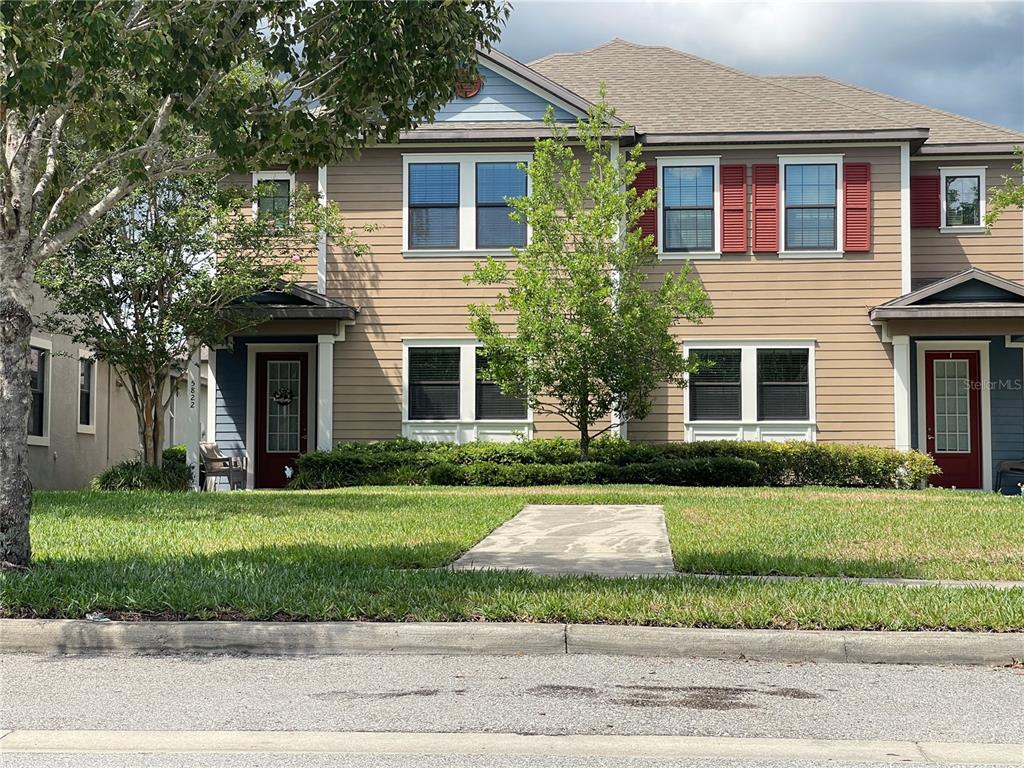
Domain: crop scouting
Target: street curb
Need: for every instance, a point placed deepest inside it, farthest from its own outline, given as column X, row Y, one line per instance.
column 977, row 648
column 79, row 637
column 72, row 636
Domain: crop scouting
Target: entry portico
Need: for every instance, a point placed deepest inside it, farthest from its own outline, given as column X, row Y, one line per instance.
column 958, row 349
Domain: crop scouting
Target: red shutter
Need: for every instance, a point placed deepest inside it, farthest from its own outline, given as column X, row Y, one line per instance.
column 645, row 180
column 925, row 205
column 765, row 203
column 857, row 207
column 734, row 208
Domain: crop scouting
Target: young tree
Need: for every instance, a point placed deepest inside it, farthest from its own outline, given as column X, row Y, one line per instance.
column 100, row 99
column 591, row 333
column 167, row 272
column 1010, row 195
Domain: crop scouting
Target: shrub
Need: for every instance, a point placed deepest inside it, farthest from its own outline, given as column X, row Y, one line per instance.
column 135, row 475
column 556, row 461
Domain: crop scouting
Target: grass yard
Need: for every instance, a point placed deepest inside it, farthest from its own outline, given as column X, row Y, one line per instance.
column 372, row 553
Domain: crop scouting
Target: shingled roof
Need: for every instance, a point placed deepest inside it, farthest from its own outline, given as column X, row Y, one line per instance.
column 944, row 127
column 688, row 96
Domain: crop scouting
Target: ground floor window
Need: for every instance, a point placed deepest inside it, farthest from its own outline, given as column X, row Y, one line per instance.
column 752, row 382
column 446, row 381
column 39, row 360
column 86, row 385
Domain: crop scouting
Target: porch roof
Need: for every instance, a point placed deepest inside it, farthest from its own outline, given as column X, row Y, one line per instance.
column 973, row 293
column 296, row 302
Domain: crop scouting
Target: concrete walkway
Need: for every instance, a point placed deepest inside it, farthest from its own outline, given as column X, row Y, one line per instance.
column 602, row 539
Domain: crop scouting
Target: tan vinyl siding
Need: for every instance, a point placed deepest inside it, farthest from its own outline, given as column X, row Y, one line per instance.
column 936, row 255
column 397, row 298
column 825, row 300
column 755, row 297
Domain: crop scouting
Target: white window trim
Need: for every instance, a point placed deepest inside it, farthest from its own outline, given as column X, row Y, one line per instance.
column 747, row 427
column 47, row 345
column 467, row 202
column 466, row 427
column 836, row 160
column 956, row 345
column 952, row 170
column 259, row 176
column 90, row 428
column 689, row 162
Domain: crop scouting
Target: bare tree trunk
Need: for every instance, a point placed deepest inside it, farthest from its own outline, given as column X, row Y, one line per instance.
column 151, row 426
column 15, row 401
column 584, row 432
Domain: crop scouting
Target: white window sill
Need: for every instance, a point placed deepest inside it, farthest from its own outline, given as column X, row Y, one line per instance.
column 696, row 256
column 87, row 429
column 37, row 440
column 480, row 253
column 980, row 230
column 451, row 422
column 798, row 423
column 811, row 254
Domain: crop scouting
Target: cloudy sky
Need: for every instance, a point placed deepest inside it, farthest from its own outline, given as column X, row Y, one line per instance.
column 964, row 57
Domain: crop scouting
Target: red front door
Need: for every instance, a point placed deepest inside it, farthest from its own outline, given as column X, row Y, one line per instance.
column 282, row 415
column 953, row 417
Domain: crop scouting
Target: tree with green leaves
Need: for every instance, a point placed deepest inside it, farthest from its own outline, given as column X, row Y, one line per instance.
column 169, row 271
column 101, row 99
column 590, row 334
column 1010, row 195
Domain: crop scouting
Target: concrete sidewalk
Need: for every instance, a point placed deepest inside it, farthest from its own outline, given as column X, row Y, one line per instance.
column 557, row 539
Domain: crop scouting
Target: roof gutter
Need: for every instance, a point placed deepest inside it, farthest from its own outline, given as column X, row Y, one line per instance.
column 995, row 148
column 916, row 137
column 947, row 311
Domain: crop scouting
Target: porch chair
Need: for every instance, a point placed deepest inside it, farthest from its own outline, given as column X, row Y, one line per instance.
column 1012, row 467
column 216, row 463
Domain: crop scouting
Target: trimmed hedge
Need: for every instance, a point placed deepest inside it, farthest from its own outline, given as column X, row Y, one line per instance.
column 557, row 462
column 175, row 474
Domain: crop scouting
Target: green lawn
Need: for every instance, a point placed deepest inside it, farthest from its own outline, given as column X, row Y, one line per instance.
column 372, row 553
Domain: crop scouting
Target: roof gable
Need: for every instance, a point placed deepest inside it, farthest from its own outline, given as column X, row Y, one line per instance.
column 500, row 99
column 969, row 286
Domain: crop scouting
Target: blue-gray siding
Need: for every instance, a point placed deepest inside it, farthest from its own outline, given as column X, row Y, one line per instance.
column 1006, row 375
column 499, row 99
column 231, row 394
column 972, row 290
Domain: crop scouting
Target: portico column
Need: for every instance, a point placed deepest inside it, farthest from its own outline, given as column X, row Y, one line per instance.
column 901, row 390
column 324, row 392
column 193, row 422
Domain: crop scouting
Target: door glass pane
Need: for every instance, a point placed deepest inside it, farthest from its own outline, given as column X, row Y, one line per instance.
column 283, row 406
column 952, row 406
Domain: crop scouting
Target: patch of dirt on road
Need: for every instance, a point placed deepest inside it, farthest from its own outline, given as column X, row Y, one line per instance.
column 706, row 697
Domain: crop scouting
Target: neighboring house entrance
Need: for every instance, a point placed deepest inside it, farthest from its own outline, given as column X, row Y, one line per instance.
column 282, row 415
column 953, row 416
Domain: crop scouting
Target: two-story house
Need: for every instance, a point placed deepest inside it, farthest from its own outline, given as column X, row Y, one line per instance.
column 839, row 232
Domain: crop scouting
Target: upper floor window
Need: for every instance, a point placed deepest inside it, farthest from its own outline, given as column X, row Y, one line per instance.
column 496, row 183
column 273, row 194
column 688, row 206
column 38, row 362
column 963, row 197
column 811, row 207
column 456, row 204
column 434, row 205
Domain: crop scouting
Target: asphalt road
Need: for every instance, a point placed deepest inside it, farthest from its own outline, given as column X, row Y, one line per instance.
column 604, row 696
